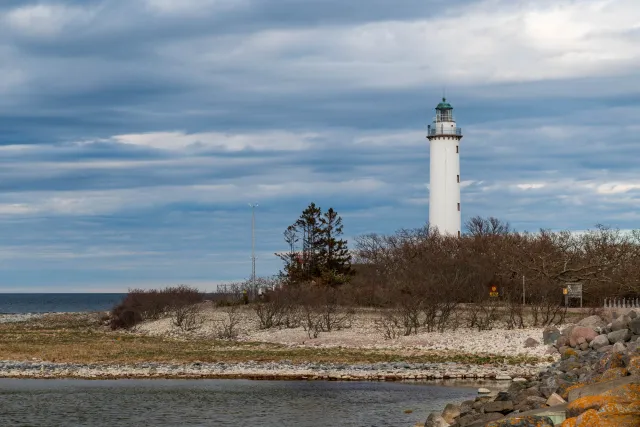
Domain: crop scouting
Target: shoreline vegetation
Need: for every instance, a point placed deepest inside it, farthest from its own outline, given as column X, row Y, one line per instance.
column 82, row 345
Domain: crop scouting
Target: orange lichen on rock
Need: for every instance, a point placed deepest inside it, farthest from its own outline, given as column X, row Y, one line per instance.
column 634, row 365
column 588, row 418
column 565, row 393
column 612, row 374
column 630, row 392
column 615, row 408
column 586, row 403
column 592, row 418
column 569, row 422
column 568, row 353
column 609, row 361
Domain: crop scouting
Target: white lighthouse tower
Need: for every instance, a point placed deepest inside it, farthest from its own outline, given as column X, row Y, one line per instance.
column 444, row 186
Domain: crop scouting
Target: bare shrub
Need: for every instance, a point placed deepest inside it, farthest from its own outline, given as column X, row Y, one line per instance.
column 140, row 305
column 389, row 325
column 187, row 318
column 484, row 315
column 321, row 312
column 228, row 326
column 278, row 309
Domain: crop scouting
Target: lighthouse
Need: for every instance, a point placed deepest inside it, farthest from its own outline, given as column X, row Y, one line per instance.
column 444, row 180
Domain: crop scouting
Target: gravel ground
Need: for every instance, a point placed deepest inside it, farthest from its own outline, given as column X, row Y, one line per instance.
column 364, row 334
column 15, row 318
column 270, row 370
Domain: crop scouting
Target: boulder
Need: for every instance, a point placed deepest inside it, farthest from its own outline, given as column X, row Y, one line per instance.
column 549, row 386
column 562, row 341
column 493, row 416
column 480, row 401
column 566, row 332
column 592, row 322
column 632, row 314
column 605, row 348
column 535, row 402
column 550, row 335
column 466, row 407
column 585, row 403
column 621, row 322
column 584, row 346
column 435, row 420
column 633, row 365
column 525, row 421
column 474, row 420
column 567, row 353
column 450, row 412
column 595, row 418
column 634, row 325
column 503, row 407
column 583, row 332
column 619, row 347
column 555, row 399
column 621, row 335
column 602, row 387
column 484, row 391
column 599, row 341
column 530, row 343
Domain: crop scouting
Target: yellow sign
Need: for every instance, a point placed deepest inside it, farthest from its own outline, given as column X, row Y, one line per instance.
column 565, row 291
column 493, row 291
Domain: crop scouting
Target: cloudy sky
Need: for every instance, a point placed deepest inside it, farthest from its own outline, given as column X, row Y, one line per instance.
column 133, row 133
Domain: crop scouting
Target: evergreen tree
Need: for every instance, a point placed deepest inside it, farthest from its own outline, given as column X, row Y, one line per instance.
column 335, row 255
column 323, row 255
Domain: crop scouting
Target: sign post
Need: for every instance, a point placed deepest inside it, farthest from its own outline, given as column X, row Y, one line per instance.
column 494, row 292
column 574, row 290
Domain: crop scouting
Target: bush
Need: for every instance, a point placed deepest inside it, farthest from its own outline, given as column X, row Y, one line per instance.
column 187, row 317
column 140, row 305
column 279, row 309
column 228, row 327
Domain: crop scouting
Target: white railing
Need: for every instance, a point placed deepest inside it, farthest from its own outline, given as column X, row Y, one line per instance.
column 622, row 303
column 441, row 130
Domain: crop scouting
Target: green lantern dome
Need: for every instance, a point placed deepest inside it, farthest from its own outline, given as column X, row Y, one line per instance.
column 444, row 105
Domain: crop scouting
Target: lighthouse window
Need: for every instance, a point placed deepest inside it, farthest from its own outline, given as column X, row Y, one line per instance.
column 458, row 179
column 458, row 207
column 457, row 149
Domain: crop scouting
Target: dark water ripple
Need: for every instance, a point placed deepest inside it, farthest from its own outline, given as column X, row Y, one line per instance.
column 232, row 403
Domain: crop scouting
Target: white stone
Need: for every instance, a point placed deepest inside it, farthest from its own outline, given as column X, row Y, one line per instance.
column 484, row 391
column 502, row 377
column 555, row 399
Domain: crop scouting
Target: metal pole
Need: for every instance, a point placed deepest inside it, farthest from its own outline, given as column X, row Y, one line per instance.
column 253, row 245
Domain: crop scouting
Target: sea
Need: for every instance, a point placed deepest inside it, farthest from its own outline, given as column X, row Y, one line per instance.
column 221, row 403
column 57, row 303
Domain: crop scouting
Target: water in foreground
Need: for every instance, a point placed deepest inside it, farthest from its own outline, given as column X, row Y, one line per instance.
column 220, row 403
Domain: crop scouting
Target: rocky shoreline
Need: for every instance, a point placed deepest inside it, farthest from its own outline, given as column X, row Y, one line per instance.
column 272, row 370
column 595, row 383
